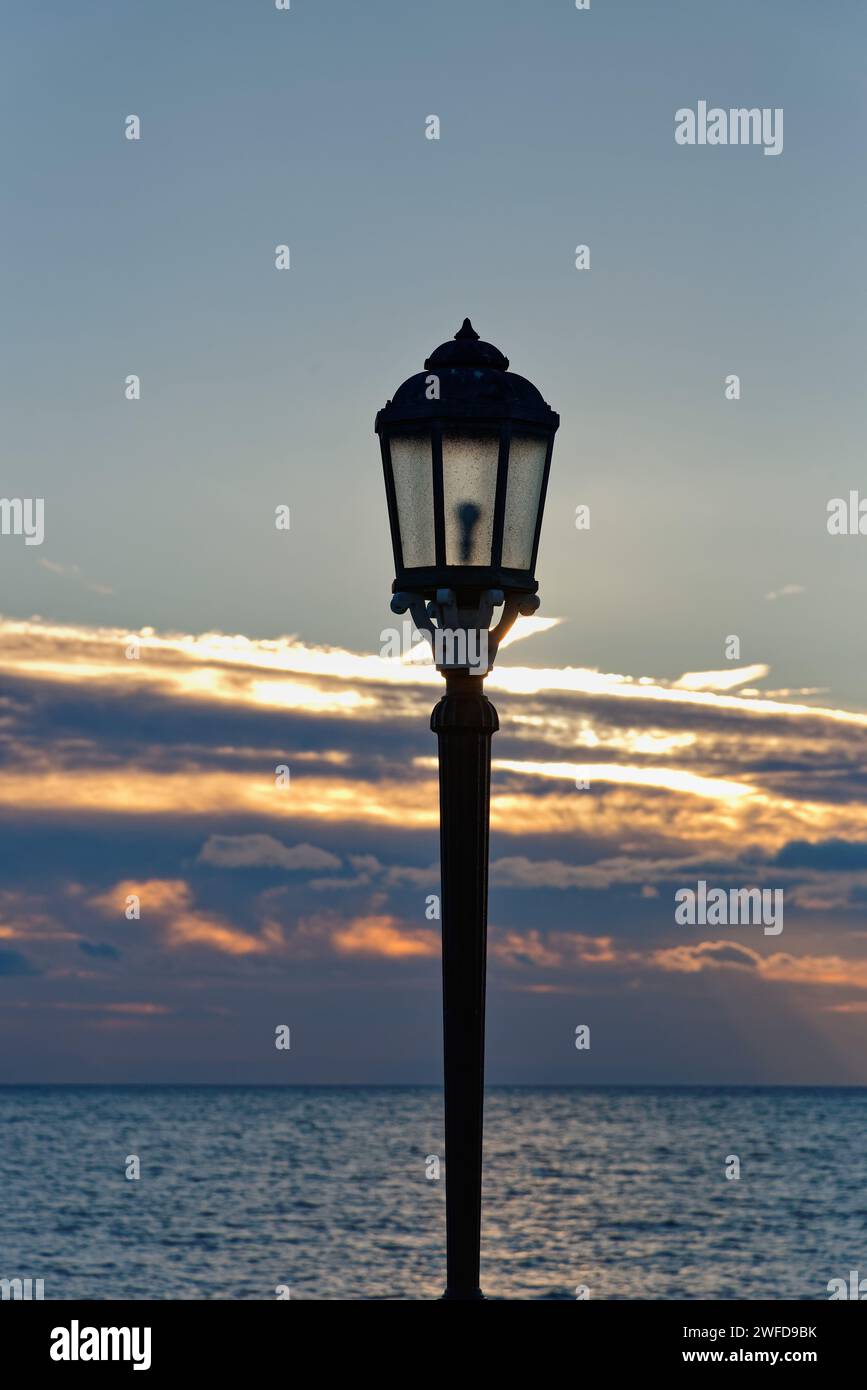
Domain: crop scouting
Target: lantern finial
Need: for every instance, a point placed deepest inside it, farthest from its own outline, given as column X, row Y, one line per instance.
column 466, row 333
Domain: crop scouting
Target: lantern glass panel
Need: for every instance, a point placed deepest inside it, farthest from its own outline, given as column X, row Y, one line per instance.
column 469, row 490
column 413, row 489
column 524, row 489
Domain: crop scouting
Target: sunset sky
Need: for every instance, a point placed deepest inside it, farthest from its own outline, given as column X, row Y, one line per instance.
column 305, row 904
column 154, row 775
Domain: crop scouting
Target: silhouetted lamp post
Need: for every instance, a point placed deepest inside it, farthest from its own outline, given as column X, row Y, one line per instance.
column 466, row 450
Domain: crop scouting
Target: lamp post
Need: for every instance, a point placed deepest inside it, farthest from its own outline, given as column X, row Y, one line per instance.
column 466, row 451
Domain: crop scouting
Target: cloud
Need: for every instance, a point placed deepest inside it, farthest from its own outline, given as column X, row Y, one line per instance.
column 157, row 897
column 284, row 673
column 846, row 855
column 74, row 573
column 99, row 951
column 135, row 1009
column 816, row 971
column 721, row 680
column 669, row 779
column 551, row 950
column 14, row 963
column 263, row 851
column 386, row 938
column 822, row 972
column 704, row 955
column 169, row 902
column 198, row 929
column 369, row 870
column 766, row 771
column 787, row 591
column 175, row 751
column 520, row 872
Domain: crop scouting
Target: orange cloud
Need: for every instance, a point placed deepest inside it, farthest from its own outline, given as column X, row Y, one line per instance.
column 384, row 937
column 170, row 902
column 821, row 971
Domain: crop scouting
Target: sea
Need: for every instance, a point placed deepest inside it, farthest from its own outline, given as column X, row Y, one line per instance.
column 265, row 1192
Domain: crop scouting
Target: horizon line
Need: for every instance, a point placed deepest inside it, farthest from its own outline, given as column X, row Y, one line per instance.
column 435, row 1086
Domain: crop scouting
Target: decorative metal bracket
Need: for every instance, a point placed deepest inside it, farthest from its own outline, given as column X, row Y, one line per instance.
column 463, row 639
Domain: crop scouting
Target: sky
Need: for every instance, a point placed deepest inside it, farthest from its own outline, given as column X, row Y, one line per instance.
column 154, row 775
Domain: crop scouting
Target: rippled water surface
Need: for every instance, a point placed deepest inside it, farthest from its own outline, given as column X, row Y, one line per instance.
column 324, row 1190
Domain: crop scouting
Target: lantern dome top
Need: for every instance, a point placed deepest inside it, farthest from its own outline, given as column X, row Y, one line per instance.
column 466, row 349
column 472, row 377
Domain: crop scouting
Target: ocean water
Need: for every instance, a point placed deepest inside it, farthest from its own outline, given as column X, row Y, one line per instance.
column 323, row 1190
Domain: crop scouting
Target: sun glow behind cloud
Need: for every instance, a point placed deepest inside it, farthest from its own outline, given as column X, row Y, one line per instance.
column 219, row 666
column 580, row 711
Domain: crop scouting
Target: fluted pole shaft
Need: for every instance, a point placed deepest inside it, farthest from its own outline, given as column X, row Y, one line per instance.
column 464, row 721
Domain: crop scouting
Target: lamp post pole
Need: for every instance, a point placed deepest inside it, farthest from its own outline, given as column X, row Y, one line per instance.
column 464, row 721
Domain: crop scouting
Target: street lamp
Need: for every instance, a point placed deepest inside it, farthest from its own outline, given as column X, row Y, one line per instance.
column 466, row 450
